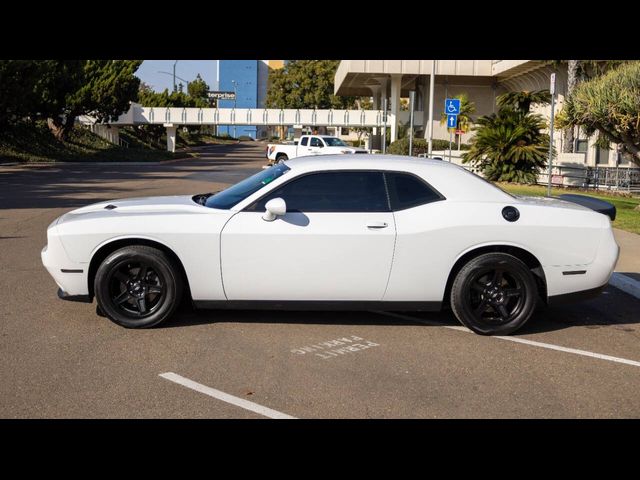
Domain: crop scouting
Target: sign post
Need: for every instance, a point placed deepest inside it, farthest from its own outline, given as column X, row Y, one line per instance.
column 412, row 97
column 384, row 129
column 552, row 90
column 451, row 110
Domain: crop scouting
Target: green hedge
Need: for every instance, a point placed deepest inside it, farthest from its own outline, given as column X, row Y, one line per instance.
column 420, row 145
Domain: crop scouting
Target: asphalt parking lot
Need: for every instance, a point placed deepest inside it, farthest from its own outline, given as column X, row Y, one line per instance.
column 61, row 360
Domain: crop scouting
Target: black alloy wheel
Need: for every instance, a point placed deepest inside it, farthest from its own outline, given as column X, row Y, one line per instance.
column 494, row 294
column 138, row 286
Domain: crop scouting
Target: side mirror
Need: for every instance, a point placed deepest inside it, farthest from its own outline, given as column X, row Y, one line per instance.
column 276, row 207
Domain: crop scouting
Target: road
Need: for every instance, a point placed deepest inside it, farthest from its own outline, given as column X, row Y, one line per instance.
column 61, row 360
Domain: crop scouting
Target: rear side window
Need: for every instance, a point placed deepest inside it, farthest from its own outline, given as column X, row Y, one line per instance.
column 331, row 192
column 406, row 191
column 304, row 141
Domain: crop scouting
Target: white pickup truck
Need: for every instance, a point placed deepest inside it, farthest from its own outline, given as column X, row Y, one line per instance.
column 309, row 145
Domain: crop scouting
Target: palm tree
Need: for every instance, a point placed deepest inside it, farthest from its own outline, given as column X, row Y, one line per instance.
column 509, row 146
column 523, row 100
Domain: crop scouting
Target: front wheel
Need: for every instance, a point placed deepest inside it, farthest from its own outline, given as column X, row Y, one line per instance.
column 494, row 294
column 138, row 286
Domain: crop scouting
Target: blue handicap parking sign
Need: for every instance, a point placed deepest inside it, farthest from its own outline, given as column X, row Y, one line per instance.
column 452, row 121
column 452, row 106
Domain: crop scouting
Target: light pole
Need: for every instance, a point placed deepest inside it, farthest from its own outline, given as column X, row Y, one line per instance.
column 174, row 75
column 235, row 98
column 552, row 90
column 432, row 82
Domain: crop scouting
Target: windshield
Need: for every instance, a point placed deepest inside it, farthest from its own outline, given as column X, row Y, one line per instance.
column 334, row 142
column 231, row 196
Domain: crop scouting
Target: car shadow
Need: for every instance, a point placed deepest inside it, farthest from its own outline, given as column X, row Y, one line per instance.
column 612, row 308
column 187, row 316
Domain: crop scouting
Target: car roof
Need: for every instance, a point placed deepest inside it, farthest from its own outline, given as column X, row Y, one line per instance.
column 452, row 181
column 364, row 161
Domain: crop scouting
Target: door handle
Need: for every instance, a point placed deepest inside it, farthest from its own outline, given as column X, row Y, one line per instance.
column 377, row 225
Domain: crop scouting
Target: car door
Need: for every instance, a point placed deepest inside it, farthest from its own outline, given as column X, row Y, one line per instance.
column 315, row 146
column 335, row 243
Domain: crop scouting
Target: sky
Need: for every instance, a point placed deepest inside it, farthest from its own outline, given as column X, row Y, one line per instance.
column 187, row 69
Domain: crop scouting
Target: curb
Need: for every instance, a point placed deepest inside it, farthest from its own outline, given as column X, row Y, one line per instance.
column 80, row 163
column 626, row 284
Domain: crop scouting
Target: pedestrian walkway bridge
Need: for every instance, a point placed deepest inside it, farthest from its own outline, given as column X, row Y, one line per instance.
column 173, row 117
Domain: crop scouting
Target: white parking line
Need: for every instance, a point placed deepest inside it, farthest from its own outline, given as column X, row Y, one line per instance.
column 533, row 343
column 225, row 397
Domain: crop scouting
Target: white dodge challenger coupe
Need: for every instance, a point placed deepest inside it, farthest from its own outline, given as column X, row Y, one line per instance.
column 335, row 232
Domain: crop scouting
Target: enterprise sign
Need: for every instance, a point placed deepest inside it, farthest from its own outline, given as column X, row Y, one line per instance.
column 222, row 95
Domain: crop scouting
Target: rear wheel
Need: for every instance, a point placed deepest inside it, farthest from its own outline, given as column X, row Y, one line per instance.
column 138, row 286
column 494, row 294
column 281, row 157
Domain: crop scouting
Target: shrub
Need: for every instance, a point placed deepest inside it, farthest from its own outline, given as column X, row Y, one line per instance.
column 421, row 146
column 509, row 146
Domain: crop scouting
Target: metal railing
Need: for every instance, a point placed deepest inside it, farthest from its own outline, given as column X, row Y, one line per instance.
column 626, row 179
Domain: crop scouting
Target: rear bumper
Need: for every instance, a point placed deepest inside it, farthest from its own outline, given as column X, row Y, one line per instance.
column 575, row 296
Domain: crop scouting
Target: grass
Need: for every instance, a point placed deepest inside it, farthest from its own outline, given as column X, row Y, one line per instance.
column 35, row 144
column 626, row 217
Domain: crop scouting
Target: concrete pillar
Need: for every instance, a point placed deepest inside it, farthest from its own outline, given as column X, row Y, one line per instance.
column 114, row 135
column 396, row 84
column 171, row 136
column 109, row 132
column 377, row 104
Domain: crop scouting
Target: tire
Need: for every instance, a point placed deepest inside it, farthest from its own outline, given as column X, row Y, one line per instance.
column 494, row 294
column 138, row 286
column 281, row 157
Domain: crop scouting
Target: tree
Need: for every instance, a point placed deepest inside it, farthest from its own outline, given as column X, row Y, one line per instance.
column 509, row 146
column 197, row 91
column 579, row 71
column 522, row 100
column 572, row 79
column 305, row 84
column 33, row 89
column 104, row 90
column 610, row 104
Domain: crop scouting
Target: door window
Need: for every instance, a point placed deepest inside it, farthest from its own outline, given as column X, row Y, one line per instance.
column 316, row 142
column 331, row 192
column 304, row 141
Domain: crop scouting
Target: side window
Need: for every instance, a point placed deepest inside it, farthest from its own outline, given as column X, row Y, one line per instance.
column 304, row 141
column 316, row 142
column 331, row 192
column 406, row 191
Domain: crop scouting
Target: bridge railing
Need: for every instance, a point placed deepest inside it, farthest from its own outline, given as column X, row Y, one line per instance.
column 252, row 116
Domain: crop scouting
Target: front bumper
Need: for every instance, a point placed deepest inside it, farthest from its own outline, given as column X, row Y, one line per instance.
column 71, row 277
column 73, row 298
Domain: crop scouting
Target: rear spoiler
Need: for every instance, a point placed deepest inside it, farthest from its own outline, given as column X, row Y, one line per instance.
column 595, row 204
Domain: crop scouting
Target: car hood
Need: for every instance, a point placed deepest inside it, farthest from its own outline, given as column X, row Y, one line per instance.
column 140, row 205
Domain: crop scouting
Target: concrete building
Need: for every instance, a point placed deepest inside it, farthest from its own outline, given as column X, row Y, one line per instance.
column 481, row 80
column 249, row 79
